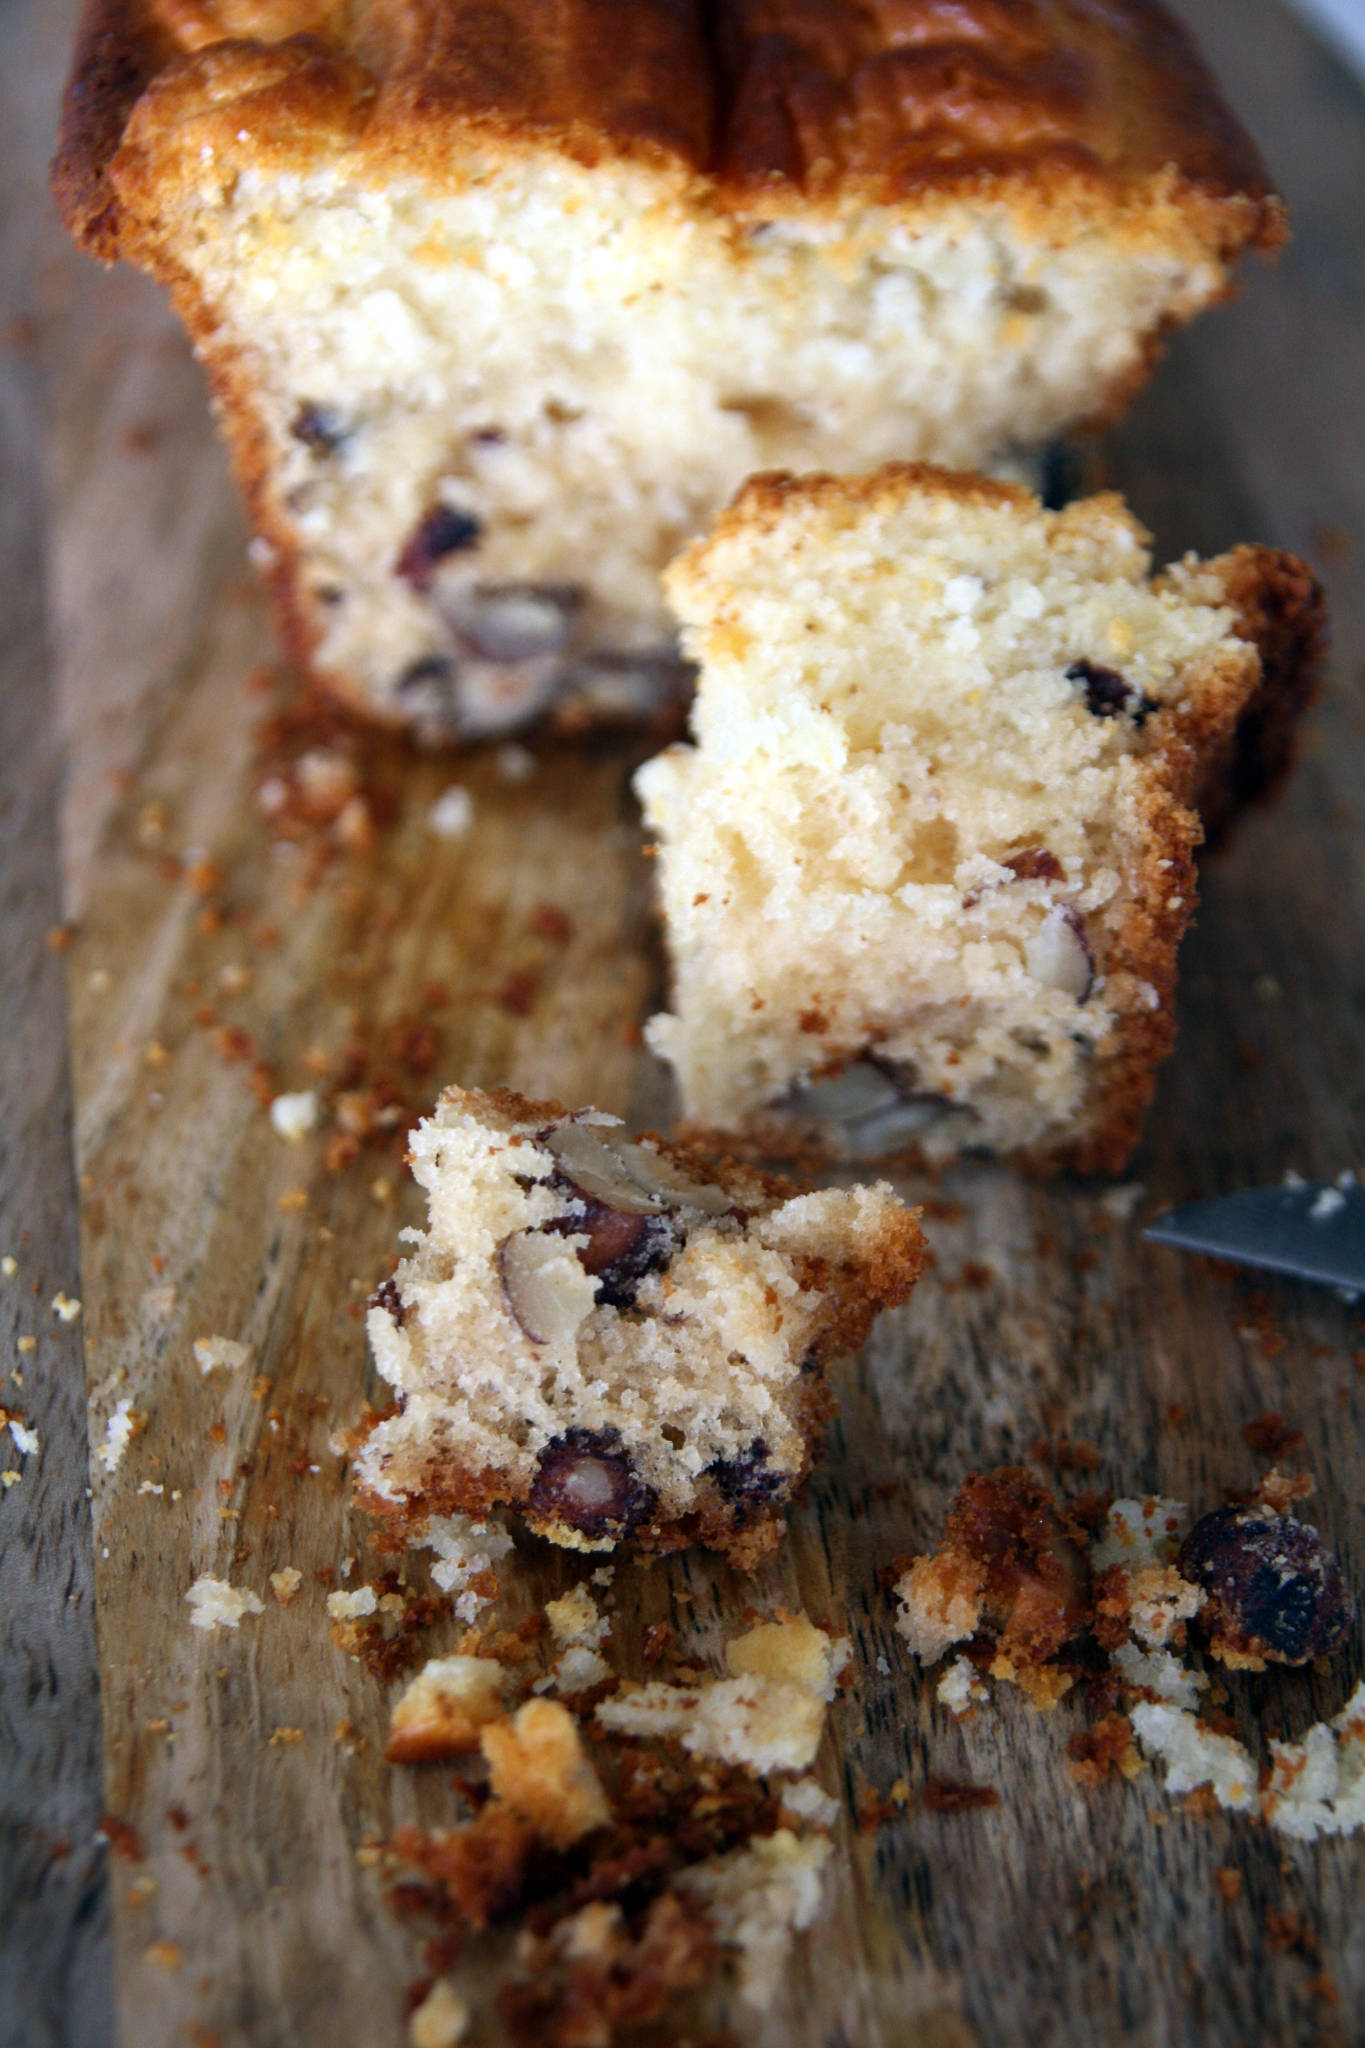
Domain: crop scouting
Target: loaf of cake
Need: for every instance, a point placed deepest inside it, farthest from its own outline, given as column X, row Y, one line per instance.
column 501, row 302
column 926, row 865
column 615, row 1337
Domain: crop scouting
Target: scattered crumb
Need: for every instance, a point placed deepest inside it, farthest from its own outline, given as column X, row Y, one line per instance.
column 956, row 1795
column 285, row 1584
column 758, row 1897
column 809, row 1801
column 158, row 1303
column 123, row 1425
column 9, row 1266
column 444, row 1709
column 292, row 1200
column 1195, row 1756
column 961, row 1689
column 1120, row 1202
column 465, row 1555
column 352, row 1606
column 150, row 1486
column 165, row 1954
column 25, row 1439
column 1270, row 1436
column 452, row 814
column 216, row 1604
column 285, row 1738
column 27, row 1344
column 294, row 1116
column 769, row 1717
column 220, row 1354
column 66, row 1307
column 539, row 1769
column 575, row 1619
column 440, row 2020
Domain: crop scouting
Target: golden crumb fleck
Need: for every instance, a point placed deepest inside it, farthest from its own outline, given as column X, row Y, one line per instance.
column 165, row 1954
column 285, row 1738
column 285, row 1584
column 292, row 1200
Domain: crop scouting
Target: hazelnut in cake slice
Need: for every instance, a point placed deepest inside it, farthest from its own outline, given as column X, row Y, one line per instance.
column 615, row 1336
column 501, row 299
column 926, row 864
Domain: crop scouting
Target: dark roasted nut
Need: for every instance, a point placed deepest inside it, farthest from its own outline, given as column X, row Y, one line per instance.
column 621, row 1247
column 586, row 1480
column 748, row 1482
column 387, row 1297
column 1274, row 1590
column 440, row 532
column 321, row 428
column 1109, row 694
column 1035, row 864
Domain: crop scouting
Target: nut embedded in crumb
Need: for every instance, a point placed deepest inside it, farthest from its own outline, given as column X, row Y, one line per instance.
column 445, row 1709
column 539, row 1768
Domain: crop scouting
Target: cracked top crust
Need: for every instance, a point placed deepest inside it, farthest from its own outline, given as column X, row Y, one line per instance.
column 752, row 107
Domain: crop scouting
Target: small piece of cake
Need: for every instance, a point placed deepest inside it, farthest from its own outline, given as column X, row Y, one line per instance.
column 926, row 865
column 445, row 1709
column 1011, row 1568
column 616, row 1337
column 538, row 1767
column 501, row 300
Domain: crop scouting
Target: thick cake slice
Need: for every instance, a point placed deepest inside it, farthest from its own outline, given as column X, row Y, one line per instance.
column 926, row 866
column 616, row 1337
column 501, row 302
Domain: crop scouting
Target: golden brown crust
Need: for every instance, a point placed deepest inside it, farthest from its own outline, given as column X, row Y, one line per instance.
column 765, row 104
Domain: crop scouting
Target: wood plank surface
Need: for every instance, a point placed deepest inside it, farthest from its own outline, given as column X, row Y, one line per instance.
column 215, row 957
column 55, row 1960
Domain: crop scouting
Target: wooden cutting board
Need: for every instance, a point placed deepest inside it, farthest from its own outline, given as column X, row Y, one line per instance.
column 220, row 952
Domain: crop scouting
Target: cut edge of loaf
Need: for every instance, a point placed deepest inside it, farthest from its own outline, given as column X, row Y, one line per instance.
column 1230, row 742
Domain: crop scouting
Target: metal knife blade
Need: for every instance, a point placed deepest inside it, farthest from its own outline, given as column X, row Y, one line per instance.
column 1316, row 1233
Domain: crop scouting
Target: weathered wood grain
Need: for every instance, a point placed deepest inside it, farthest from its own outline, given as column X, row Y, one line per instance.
column 1062, row 1915
column 54, row 1931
